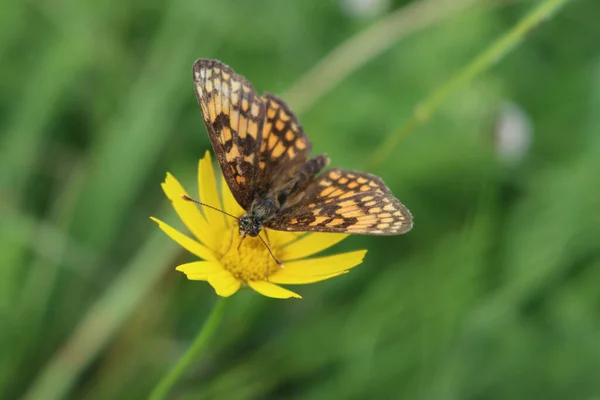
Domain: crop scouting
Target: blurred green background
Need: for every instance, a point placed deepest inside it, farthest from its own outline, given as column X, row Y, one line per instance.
column 493, row 295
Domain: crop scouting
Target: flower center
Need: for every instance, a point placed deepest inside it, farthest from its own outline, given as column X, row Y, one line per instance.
column 249, row 261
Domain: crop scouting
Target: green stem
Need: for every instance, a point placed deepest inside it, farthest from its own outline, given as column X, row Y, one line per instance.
column 163, row 387
column 492, row 55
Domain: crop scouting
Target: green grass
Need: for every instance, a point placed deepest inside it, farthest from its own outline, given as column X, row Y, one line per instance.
column 493, row 295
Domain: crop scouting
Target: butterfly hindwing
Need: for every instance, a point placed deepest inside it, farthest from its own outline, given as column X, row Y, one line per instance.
column 347, row 202
column 234, row 115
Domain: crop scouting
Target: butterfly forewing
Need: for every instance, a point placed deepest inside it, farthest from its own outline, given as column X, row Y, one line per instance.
column 346, row 201
column 234, row 115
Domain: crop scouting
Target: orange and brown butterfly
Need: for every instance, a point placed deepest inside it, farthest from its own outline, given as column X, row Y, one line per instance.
column 264, row 156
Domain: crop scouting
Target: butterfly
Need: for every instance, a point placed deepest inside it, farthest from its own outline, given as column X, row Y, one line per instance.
column 264, row 156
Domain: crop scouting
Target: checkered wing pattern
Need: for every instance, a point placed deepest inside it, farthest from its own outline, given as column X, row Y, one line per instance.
column 263, row 151
column 234, row 116
column 284, row 144
column 257, row 139
column 347, row 202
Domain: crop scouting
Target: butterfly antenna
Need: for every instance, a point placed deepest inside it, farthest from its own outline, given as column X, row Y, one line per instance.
column 279, row 263
column 188, row 198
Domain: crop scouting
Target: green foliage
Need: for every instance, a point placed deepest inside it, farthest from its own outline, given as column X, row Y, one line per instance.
column 493, row 295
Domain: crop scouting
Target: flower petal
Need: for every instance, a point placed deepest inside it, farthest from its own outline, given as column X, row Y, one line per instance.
column 270, row 290
column 279, row 239
column 224, row 283
column 311, row 244
column 185, row 241
column 230, row 205
column 207, row 185
column 188, row 212
column 200, row 270
column 287, row 278
column 319, row 267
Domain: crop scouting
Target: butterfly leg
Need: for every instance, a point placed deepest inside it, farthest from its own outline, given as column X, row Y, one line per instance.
column 280, row 264
column 240, row 244
column 266, row 243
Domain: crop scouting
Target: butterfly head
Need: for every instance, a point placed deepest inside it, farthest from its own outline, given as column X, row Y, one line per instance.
column 250, row 225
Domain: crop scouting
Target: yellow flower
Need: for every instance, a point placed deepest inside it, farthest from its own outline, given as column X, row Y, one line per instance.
column 227, row 265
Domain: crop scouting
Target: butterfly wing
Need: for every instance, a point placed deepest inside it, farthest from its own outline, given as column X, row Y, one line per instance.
column 283, row 137
column 284, row 144
column 346, row 202
column 234, row 115
column 258, row 140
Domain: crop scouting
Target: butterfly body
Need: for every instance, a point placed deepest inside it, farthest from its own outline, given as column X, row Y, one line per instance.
column 264, row 156
column 266, row 208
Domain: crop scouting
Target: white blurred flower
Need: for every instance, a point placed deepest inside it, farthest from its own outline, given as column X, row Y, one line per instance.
column 513, row 134
column 365, row 8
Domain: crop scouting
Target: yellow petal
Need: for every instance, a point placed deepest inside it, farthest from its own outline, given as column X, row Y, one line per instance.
column 311, row 244
column 207, row 185
column 200, row 270
column 279, row 239
column 188, row 212
column 287, row 278
column 224, row 283
column 323, row 265
column 230, row 205
column 270, row 290
column 185, row 241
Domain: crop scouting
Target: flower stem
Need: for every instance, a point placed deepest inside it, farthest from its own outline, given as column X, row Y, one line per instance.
column 163, row 387
column 490, row 56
